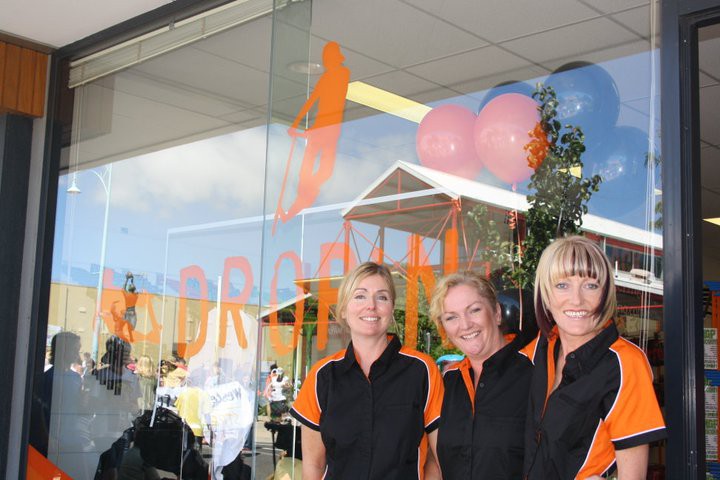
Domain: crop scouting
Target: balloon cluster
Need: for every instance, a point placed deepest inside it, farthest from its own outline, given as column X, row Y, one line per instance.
column 453, row 139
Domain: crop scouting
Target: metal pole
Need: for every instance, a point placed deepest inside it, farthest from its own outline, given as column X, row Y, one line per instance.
column 98, row 302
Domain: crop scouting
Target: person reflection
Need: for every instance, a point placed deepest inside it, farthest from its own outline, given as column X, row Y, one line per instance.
column 113, row 395
column 322, row 137
column 70, row 444
column 147, row 376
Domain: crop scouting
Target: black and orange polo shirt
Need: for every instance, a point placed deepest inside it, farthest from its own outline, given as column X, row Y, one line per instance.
column 482, row 429
column 372, row 427
column 605, row 402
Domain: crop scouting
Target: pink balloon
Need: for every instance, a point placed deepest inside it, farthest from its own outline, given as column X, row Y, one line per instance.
column 502, row 129
column 445, row 141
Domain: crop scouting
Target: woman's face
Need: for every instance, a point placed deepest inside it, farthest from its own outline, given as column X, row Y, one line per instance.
column 370, row 308
column 472, row 324
column 573, row 303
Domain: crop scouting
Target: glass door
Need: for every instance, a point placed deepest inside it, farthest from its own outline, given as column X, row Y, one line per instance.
column 709, row 95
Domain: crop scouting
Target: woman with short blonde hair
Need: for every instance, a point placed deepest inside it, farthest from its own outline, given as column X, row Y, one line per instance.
column 482, row 423
column 592, row 403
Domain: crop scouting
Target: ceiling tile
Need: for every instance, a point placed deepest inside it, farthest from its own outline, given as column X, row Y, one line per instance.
column 248, row 45
column 360, row 65
column 574, row 41
column 612, row 52
column 710, row 114
column 389, row 31
column 174, row 93
column 237, row 81
column 497, row 21
column 468, row 66
column 706, row 80
column 612, row 6
column 708, row 56
column 710, row 180
column 637, row 20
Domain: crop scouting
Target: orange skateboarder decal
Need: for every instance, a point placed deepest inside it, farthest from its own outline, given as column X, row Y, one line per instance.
column 322, row 137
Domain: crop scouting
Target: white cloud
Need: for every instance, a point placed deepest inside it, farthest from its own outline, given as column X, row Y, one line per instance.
column 225, row 173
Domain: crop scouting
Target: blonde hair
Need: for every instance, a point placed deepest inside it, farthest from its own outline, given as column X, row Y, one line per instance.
column 568, row 257
column 472, row 279
column 351, row 281
column 145, row 367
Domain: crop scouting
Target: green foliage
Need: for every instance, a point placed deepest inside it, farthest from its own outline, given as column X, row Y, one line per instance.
column 560, row 199
column 557, row 206
column 494, row 248
column 657, row 222
column 425, row 326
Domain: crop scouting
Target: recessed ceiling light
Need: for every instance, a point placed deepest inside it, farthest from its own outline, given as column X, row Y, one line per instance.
column 715, row 220
column 306, row 68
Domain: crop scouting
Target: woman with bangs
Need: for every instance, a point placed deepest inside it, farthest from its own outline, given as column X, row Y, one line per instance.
column 369, row 411
column 592, row 405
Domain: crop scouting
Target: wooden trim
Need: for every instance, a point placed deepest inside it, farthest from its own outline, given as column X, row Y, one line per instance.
column 23, row 73
column 12, row 78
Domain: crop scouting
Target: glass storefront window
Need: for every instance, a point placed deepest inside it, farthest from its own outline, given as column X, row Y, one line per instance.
column 213, row 198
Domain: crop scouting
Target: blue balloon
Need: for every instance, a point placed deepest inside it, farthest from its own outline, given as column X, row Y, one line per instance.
column 621, row 161
column 511, row 86
column 587, row 98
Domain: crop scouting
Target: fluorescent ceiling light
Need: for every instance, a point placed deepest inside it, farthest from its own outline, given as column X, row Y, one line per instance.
column 379, row 99
column 715, row 220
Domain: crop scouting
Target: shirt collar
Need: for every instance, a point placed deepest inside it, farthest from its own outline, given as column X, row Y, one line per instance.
column 585, row 358
column 390, row 352
column 498, row 360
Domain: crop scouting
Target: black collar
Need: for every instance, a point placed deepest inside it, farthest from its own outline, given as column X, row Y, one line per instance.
column 379, row 365
column 501, row 359
column 588, row 355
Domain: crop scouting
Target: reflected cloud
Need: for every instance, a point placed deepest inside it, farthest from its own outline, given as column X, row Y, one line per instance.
column 223, row 173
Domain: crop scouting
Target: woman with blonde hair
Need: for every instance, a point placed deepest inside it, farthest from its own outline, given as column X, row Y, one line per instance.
column 592, row 403
column 365, row 410
column 147, row 379
column 482, row 423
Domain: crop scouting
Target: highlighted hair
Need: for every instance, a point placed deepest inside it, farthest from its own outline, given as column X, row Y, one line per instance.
column 569, row 257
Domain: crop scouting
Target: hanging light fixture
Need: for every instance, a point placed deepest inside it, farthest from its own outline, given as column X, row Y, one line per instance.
column 73, row 189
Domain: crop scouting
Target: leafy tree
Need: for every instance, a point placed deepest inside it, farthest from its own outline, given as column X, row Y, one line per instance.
column 560, row 197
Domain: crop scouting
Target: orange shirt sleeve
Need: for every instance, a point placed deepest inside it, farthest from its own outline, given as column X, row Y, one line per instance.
column 436, row 392
column 635, row 418
column 306, row 407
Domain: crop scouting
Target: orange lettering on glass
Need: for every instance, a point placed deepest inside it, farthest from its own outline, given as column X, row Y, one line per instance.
column 418, row 271
column 327, row 295
column 451, row 251
column 185, row 349
column 235, row 305
column 280, row 347
column 322, row 137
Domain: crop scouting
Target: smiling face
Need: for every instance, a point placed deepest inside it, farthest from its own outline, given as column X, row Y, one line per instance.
column 574, row 302
column 369, row 310
column 472, row 324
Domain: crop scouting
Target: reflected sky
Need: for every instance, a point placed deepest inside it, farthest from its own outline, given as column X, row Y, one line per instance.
column 169, row 206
